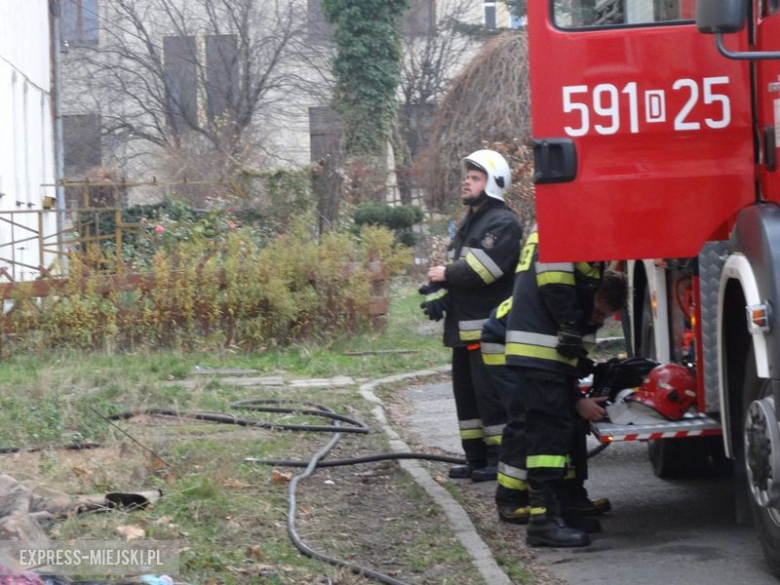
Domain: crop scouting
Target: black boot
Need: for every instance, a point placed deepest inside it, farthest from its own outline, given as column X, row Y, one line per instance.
column 546, row 526
column 466, row 471
column 512, row 505
column 490, row 470
column 577, row 502
column 584, row 523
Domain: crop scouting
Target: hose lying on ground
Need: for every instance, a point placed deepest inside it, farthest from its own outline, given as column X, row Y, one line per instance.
column 272, row 406
column 269, row 405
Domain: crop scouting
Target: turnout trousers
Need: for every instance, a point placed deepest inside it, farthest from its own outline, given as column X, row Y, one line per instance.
column 480, row 409
column 553, row 432
column 512, row 467
column 512, row 472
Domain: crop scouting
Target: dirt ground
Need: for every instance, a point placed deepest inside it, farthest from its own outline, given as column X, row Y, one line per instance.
column 373, row 515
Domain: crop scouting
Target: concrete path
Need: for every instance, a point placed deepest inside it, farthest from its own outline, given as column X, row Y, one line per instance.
column 660, row 531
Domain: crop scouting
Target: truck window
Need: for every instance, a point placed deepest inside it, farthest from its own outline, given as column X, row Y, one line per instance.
column 607, row 13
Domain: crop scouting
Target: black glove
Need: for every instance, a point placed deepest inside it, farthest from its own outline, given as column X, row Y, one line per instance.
column 615, row 375
column 585, row 367
column 437, row 301
column 570, row 344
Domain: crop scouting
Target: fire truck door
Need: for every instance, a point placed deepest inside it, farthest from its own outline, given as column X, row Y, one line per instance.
column 653, row 123
column 768, row 86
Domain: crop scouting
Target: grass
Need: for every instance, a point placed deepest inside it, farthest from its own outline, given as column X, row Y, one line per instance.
column 228, row 514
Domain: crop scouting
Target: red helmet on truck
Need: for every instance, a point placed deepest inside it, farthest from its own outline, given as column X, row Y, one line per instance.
column 670, row 390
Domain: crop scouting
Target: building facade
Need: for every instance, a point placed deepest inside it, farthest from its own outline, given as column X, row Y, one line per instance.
column 147, row 90
column 27, row 155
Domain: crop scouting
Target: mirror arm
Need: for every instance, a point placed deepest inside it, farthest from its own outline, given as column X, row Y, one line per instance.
column 746, row 55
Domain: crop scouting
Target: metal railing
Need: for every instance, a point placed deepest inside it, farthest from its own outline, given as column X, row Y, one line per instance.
column 35, row 243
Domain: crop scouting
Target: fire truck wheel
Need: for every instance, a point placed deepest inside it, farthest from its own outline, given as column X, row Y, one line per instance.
column 765, row 518
column 688, row 458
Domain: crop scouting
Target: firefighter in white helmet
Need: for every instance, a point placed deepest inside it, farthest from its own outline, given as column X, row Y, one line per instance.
column 479, row 273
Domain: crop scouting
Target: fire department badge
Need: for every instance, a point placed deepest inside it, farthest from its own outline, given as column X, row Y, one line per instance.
column 488, row 241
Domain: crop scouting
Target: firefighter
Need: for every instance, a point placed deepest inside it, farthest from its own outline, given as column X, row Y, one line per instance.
column 556, row 310
column 479, row 273
column 512, row 490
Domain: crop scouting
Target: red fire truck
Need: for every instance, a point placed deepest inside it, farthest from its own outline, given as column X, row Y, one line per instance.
column 656, row 125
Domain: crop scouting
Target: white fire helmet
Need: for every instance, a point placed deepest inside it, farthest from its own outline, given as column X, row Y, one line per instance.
column 495, row 167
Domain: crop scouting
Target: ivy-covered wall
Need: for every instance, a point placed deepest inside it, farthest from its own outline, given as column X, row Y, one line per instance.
column 367, row 67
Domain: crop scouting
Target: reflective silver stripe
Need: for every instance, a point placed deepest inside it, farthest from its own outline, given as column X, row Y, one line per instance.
column 487, row 262
column 514, row 472
column 471, row 325
column 493, row 348
column 554, row 267
column 473, row 423
column 589, row 338
column 493, row 430
column 451, row 254
column 532, row 338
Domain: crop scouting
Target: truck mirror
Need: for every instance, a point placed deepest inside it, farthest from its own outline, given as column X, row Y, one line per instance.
column 720, row 16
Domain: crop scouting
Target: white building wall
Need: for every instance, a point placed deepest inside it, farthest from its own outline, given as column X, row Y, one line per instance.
column 26, row 142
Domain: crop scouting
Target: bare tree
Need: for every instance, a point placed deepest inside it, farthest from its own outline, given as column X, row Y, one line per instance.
column 434, row 51
column 193, row 77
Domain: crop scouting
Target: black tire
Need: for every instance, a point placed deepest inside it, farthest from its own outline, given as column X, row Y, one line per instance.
column 690, row 458
column 766, row 520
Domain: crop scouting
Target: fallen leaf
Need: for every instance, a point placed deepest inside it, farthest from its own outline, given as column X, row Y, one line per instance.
column 164, row 520
column 279, row 477
column 255, row 552
column 131, row 532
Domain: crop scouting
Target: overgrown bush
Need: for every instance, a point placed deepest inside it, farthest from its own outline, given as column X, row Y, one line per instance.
column 202, row 290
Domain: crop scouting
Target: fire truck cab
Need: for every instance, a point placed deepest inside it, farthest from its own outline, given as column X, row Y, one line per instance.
column 656, row 127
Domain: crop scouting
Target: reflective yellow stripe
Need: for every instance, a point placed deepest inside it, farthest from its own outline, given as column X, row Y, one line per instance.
column 493, row 440
column 555, row 277
column 471, row 330
column 537, row 461
column 468, row 434
column 587, row 269
column 477, row 267
column 493, row 354
column 512, row 483
column 469, row 335
column 533, row 238
column 504, row 308
column 534, row 351
column 494, row 359
column 526, row 255
column 537, row 511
